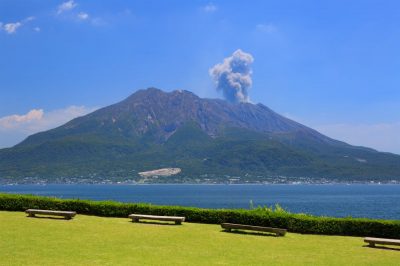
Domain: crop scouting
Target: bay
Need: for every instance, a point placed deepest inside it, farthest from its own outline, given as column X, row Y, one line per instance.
column 337, row 200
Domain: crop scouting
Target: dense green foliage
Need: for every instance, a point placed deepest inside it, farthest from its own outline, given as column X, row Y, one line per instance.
column 299, row 223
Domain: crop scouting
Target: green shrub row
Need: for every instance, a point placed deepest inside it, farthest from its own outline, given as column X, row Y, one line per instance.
column 298, row 223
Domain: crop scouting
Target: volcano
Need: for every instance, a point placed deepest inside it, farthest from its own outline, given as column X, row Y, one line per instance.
column 208, row 139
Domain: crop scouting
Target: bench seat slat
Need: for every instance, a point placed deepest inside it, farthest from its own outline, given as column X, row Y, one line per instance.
column 67, row 214
column 50, row 212
column 176, row 219
column 277, row 231
column 382, row 241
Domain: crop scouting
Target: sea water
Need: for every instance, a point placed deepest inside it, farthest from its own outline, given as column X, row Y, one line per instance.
column 355, row 200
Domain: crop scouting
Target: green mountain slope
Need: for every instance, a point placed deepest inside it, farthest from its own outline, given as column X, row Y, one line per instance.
column 207, row 139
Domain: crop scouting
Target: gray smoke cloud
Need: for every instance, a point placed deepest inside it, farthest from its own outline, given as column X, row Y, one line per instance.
column 233, row 76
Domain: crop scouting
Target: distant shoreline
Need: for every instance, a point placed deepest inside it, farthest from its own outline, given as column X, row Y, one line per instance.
column 294, row 183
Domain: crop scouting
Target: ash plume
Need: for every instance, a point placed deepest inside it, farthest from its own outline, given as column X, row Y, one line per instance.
column 233, row 76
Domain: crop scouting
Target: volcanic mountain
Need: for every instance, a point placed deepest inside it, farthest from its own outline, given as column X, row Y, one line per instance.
column 209, row 139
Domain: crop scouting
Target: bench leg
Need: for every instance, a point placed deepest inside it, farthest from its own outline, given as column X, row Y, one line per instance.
column 135, row 220
column 178, row 222
column 31, row 215
column 372, row 245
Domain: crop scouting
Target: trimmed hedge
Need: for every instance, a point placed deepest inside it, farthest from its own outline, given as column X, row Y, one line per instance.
column 298, row 223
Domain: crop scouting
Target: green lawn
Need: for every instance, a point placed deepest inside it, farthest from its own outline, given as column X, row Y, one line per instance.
column 90, row 240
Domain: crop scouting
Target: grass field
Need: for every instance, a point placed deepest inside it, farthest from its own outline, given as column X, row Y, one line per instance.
column 90, row 240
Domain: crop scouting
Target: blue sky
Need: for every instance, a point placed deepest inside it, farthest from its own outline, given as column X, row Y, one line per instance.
column 332, row 65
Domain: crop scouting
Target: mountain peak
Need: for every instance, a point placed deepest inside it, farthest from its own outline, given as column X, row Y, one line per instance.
column 162, row 113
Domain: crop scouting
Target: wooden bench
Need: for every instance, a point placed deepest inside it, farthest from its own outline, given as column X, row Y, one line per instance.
column 382, row 241
column 277, row 231
column 176, row 219
column 67, row 214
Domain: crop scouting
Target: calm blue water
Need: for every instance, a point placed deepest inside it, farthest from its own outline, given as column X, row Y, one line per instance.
column 372, row 201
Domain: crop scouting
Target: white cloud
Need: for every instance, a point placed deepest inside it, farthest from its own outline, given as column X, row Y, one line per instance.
column 37, row 29
column 14, row 128
column 67, row 11
column 382, row 136
column 13, row 120
column 210, row 8
column 266, row 28
column 83, row 15
column 66, row 6
column 28, row 19
column 11, row 28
